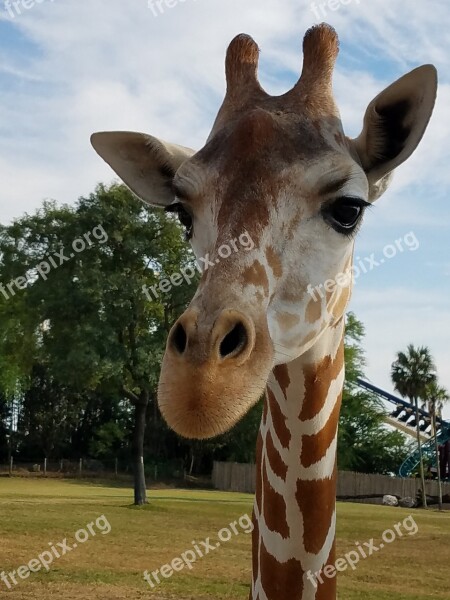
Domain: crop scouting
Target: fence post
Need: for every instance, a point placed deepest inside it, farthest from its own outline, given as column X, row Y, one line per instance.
column 61, row 462
column 116, row 466
column 11, row 464
column 45, row 467
column 80, row 470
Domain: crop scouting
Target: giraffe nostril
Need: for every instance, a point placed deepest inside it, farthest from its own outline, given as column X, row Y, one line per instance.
column 179, row 339
column 234, row 342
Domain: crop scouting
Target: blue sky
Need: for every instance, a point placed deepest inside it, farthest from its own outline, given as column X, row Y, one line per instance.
column 69, row 68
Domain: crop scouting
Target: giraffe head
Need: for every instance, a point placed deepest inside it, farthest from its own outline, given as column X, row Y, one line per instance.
column 271, row 204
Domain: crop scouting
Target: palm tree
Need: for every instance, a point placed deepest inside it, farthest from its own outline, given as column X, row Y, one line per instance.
column 436, row 396
column 411, row 373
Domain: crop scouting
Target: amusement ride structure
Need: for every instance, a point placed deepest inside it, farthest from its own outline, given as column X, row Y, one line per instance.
column 403, row 417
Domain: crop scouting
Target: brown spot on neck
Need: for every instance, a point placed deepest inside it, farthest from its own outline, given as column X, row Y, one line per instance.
column 259, row 461
column 276, row 463
column 255, row 553
column 327, row 589
column 317, row 501
column 279, row 420
column 281, row 373
column 274, row 507
column 317, row 383
column 280, row 580
column 314, row 447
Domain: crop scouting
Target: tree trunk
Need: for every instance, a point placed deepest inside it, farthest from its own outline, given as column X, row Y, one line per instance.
column 191, row 468
column 140, row 490
column 419, row 446
column 438, row 461
column 11, row 434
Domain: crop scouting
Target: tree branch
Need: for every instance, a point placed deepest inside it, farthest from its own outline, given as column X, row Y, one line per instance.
column 132, row 397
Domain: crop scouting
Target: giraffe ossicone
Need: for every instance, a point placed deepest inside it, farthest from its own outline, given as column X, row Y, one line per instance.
column 281, row 169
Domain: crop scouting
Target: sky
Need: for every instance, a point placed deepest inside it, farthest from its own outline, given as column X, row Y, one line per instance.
column 72, row 67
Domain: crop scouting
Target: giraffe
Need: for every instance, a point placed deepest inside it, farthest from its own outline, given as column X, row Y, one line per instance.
column 282, row 170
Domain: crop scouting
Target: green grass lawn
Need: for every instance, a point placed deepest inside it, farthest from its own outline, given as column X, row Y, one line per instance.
column 36, row 512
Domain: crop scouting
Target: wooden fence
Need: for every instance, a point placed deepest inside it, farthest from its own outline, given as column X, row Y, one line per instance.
column 236, row 477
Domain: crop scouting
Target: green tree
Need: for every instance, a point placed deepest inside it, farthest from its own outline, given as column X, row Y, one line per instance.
column 90, row 321
column 4, row 433
column 364, row 442
column 48, row 417
column 108, row 440
column 18, row 337
column 412, row 372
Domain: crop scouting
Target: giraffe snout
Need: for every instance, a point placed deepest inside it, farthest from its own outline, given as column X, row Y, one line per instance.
column 215, row 368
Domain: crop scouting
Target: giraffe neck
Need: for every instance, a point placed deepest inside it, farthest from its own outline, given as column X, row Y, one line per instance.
column 296, row 475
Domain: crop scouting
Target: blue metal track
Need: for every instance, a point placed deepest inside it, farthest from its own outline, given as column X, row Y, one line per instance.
column 428, row 451
column 405, row 413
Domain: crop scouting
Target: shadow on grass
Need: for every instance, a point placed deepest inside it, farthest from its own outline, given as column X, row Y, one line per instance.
column 223, row 497
column 220, row 500
column 146, row 508
column 111, row 483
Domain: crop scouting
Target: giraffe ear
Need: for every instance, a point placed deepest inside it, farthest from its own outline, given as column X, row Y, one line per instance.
column 394, row 124
column 147, row 165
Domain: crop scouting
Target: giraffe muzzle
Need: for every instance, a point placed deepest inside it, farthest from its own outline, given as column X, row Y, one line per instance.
column 213, row 372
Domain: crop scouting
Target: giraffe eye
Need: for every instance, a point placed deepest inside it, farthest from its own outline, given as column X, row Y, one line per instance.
column 183, row 216
column 344, row 214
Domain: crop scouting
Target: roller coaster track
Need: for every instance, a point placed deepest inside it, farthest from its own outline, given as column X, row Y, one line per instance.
column 403, row 417
column 428, row 451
